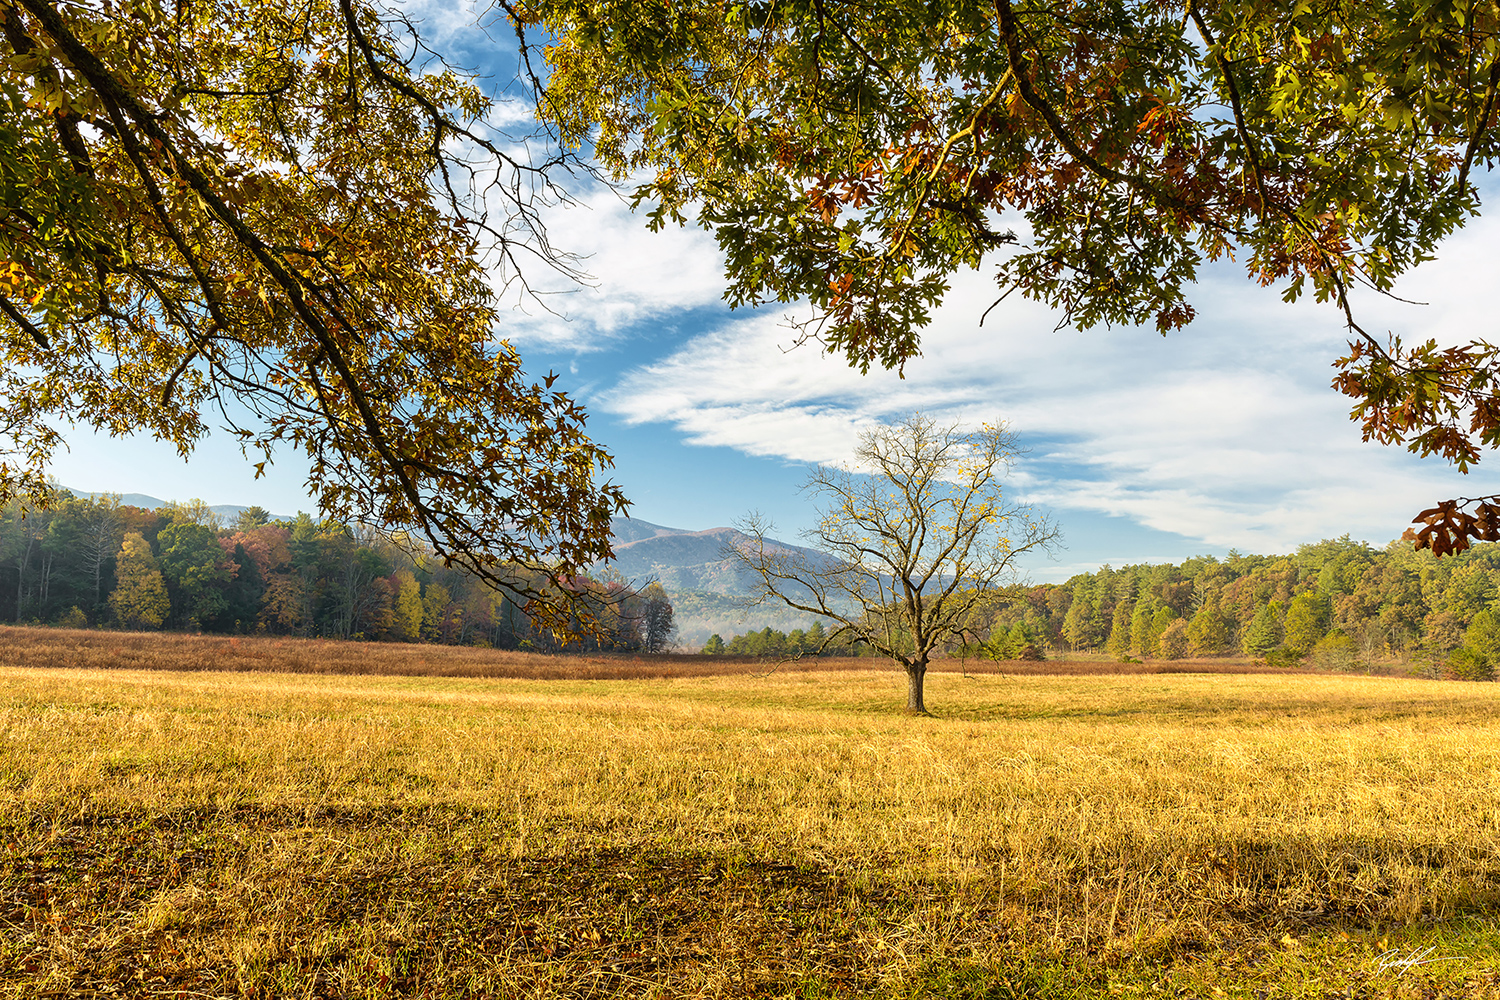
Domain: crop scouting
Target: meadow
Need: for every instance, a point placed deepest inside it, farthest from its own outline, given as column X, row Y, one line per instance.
column 248, row 833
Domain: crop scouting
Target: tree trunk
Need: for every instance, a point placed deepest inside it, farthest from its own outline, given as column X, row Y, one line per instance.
column 915, row 672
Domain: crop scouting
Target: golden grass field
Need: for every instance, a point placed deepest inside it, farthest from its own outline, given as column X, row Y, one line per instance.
column 258, row 834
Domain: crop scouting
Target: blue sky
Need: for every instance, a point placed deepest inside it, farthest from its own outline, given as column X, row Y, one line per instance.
column 1144, row 448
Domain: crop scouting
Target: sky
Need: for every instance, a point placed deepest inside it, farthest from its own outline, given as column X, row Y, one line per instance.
column 1143, row 448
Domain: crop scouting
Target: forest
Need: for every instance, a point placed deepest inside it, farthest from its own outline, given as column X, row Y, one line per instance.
column 1337, row 604
column 94, row 561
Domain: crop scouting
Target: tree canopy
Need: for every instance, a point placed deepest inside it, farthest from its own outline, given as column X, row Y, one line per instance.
column 286, row 218
column 855, row 153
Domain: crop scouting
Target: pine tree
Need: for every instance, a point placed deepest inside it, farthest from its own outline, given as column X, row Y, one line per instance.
column 1483, row 636
column 139, row 600
column 1173, row 642
column 1208, row 633
column 1142, row 639
column 714, row 646
column 245, row 593
column 816, row 636
column 1264, row 632
column 1118, row 644
column 1161, row 619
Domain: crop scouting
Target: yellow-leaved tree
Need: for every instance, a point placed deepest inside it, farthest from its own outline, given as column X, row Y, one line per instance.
column 139, row 600
column 286, row 218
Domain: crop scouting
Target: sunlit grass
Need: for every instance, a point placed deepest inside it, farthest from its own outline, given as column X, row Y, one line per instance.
column 785, row 834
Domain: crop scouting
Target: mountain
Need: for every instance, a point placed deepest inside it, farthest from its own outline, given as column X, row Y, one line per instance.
column 708, row 586
column 227, row 511
column 687, row 560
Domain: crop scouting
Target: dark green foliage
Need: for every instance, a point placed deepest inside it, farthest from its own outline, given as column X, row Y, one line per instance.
column 771, row 642
column 1466, row 664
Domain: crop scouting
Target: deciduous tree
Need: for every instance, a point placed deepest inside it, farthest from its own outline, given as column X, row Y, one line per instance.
column 913, row 536
column 855, row 153
column 658, row 627
column 285, row 217
column 139, row 599
column 1306, row 622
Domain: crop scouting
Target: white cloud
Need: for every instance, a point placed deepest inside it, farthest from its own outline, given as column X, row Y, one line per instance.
column 1227, row 432
column 635, row 277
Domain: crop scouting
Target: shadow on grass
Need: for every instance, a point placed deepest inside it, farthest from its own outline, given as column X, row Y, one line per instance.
column 438, row 901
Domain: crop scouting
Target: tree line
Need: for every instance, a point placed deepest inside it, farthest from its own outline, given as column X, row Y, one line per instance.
column 1338, row 603
column 774, row 642
column 1018, row 641
column 93, row 561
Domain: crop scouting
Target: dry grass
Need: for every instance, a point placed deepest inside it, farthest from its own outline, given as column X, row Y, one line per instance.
column 93, row 649
column 236, row 834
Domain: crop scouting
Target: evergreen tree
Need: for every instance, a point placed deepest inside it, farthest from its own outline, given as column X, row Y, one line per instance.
column 245, row 593
column 714, row 646
column 139, row 600
column 1264, row 631
column 1483, row 636
column 1209, row 633
column 1118, row 644
column 816, row 636
column 1081, row 625
column 1174, row 642
column 1142, row 636
column 1161, row 618
column 1023, row 642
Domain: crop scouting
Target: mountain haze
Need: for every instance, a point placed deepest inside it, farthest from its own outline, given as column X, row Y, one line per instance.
column 708, row 586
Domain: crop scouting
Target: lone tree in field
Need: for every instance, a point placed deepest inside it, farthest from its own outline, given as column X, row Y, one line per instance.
column 913, row 538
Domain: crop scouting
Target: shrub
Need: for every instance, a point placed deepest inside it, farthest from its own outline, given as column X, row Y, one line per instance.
column 1283, row 658
column 1335, row 651
column 74, row 618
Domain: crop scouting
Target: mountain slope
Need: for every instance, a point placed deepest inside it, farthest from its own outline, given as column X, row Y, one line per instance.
column 689, row 560
column 707, row 584
column 227, row 511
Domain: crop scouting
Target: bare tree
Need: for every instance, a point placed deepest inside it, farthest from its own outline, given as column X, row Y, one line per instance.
column 912, row 538
column 103, row 533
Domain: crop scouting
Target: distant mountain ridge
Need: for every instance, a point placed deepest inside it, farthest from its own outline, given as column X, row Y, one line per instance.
column 228, row 511
column 709, row 587
column 687, row 560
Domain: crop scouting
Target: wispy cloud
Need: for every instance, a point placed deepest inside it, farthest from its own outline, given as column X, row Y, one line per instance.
column 635, row 278
column 1226, row 433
